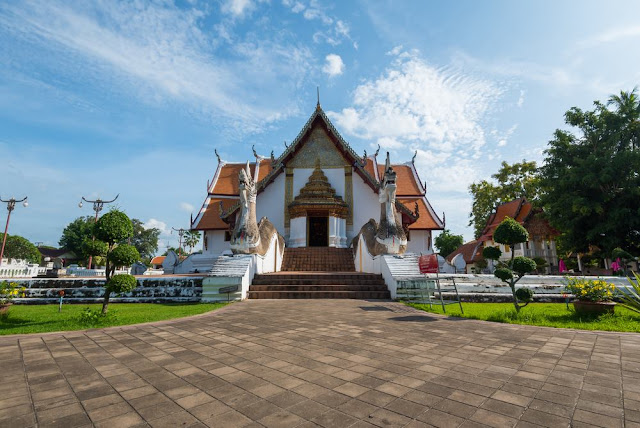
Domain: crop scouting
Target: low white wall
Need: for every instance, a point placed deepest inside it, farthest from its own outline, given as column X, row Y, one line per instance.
column 20, row 269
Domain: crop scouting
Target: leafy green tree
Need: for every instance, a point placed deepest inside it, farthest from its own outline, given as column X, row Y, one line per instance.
column 191, row 239
column 591, row 180
column 75, row 235
column 18, row 247
column 519, row 180
column 447, row 243
column 510, row 232
column 113, row 228
column 145, row 240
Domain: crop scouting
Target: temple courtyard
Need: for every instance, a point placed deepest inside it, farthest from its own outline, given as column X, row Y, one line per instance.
column 330, row 363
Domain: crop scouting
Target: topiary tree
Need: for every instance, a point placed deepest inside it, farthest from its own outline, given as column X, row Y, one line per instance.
column 18, row 247
column 119, row 284
column 112, row 228
column 510, row 232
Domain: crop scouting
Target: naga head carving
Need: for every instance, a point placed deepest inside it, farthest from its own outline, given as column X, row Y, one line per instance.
column 388, row 185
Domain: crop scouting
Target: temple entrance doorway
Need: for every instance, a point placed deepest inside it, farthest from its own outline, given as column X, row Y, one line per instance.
column 318, row 232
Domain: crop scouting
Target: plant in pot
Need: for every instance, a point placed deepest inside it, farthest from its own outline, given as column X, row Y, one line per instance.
column 8, row 291
column 593, row 296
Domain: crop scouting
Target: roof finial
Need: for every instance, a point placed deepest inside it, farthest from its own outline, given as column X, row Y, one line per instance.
column 285, row 144
column 318, row 91
column 217, row 155
column 444, row 219
column 413, row 159
column 375, row 155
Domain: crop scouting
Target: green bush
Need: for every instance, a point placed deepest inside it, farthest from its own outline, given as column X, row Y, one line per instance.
column 631, row 296
column 94, row 317
column 491, row 253
column 524, row 294
column 113, row 227
column 124, row 255
column 523, row 265
column 510, row 232
column 121, row 283
column 503, row 273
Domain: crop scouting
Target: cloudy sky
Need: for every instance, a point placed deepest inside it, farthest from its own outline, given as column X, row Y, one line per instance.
column 103, row 98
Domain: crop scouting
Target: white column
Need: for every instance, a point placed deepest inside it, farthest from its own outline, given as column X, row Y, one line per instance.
column 298, row 232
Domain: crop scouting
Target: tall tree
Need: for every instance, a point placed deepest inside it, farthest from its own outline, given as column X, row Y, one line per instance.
column 111, row 230
column 76, row 234
column 447, row 243
column 191, row 239
column 18, row 247
column 145, row 240
column 591, row 177
column 519, row 180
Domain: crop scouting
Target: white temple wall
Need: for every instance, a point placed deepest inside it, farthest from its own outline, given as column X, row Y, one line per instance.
column 419, row 242
column 298, row 232
column 365, row 206
column 215, row 242
column 270, row 203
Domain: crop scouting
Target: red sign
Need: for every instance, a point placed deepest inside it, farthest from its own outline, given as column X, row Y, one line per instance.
column 428, row 263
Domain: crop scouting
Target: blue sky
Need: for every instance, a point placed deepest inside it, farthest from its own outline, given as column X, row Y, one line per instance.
column 100, row 98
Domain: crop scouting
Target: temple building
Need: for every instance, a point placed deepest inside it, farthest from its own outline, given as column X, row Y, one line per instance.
column 318, row 193
column 541, row 243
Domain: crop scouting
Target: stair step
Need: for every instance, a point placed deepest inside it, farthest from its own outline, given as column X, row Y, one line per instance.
column 318, row 281
column 315, row 259
column 297, row 288
column 320, row 295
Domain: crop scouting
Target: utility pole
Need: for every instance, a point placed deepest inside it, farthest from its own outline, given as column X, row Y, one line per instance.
column 11, row 205
column 180, row 234
column 98, row 204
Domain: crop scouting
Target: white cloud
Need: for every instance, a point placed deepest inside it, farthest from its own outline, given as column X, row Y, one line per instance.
column 336, row 30
column 237, row 8
column 418, row 104
column 610, row 36
column 333, row 65
column 185, row 206
column 520, row 101
column 158, row 53
column 157, row 224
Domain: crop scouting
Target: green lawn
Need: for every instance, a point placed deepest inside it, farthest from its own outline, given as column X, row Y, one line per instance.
column 542, row 314
column 45, row 318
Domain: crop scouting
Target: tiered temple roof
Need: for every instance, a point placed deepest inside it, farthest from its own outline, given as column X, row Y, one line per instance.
column 222, row 195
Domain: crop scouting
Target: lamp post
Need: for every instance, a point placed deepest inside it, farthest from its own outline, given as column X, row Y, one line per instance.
column 98, row 204
column 180, row 233
column 11, row 205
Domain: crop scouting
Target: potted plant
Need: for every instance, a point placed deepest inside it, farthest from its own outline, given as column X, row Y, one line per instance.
column 8, row 291
column 593, row 296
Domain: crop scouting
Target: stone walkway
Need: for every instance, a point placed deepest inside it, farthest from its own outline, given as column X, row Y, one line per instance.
column 329, row 363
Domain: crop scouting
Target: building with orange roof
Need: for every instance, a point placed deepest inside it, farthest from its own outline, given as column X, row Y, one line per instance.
column 354, row 180
column 541, row 242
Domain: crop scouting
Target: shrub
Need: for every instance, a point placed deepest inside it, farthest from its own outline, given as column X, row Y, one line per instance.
column 121, row 283
column 9, row 291
column 523, row 265
column 491, row 253
column 510, row 232
column 94, row 317
column 591, row 290
column 524, row 294
column 631, row 296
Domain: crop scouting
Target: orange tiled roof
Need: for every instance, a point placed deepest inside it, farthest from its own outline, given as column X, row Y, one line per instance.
column 211, row 217
column 369, row 167
column 227, row 183
column 426, row 220
column 471, row 252
column 405, row 180
column 157, row 260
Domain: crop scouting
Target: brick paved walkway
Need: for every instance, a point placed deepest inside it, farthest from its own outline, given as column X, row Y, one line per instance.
column 324, row 362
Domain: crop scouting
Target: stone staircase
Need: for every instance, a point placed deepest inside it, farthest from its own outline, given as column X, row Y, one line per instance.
column 318, row 259
column 318, row 285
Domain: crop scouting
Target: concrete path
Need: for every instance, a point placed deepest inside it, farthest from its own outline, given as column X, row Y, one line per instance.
column 285, row 363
